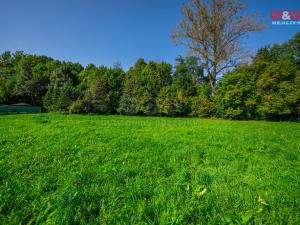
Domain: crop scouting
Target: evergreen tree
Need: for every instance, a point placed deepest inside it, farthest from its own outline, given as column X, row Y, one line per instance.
column 61, row 91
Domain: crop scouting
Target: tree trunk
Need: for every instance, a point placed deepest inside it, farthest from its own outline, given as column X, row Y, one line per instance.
column 213, row 88
column 32, row 99
column 213, row 81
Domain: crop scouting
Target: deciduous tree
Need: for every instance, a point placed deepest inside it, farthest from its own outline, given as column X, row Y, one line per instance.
column 212, row 30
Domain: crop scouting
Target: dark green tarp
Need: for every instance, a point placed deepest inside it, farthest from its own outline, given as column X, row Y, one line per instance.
column 20, row 109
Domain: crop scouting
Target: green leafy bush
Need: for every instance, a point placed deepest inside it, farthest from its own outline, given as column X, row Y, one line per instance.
column 77, row 107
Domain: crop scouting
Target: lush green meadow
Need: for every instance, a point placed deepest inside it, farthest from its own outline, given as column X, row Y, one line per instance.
column 74, row 169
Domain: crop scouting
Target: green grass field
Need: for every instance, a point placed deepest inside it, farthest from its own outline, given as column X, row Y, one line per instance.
column 74, row 169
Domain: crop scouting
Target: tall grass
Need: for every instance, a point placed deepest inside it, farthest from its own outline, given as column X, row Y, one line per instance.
column 73, row 169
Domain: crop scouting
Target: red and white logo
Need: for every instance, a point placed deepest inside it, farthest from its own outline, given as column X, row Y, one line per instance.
column 286, row 15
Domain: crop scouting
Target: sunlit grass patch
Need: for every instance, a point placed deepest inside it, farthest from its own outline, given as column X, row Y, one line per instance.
column 73, row 169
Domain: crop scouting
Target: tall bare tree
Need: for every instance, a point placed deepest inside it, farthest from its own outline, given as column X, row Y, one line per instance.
column 212, row 30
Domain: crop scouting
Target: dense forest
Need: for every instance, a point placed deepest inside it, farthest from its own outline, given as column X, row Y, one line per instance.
column 266, row 88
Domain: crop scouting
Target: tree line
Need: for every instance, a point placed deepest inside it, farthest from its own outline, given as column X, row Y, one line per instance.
column 267, row 88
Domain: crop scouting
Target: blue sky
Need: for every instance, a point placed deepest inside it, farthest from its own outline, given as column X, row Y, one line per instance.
column 107, row 31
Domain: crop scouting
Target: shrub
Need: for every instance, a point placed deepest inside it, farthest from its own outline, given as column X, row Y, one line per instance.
column 77, row 107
